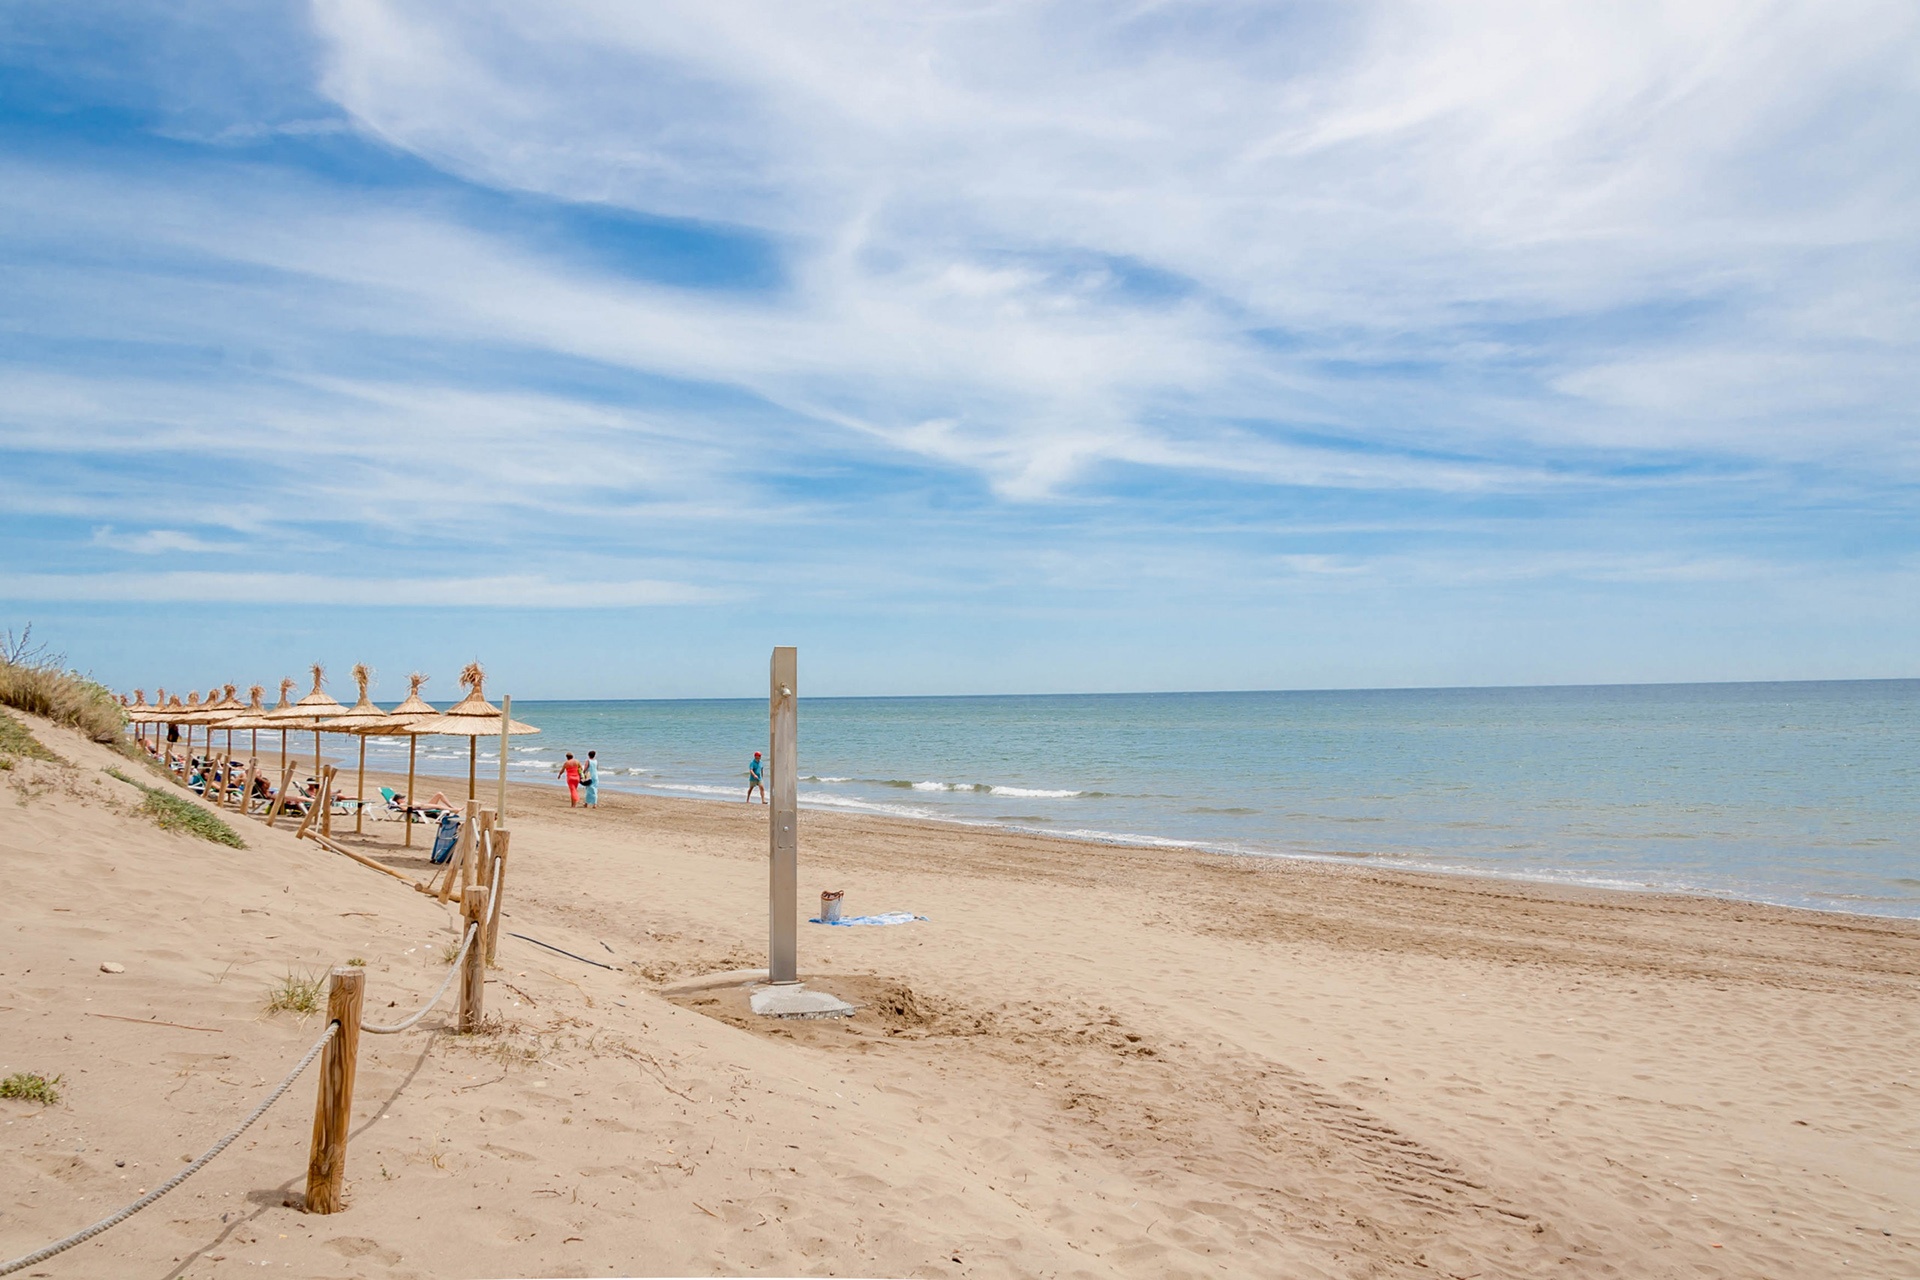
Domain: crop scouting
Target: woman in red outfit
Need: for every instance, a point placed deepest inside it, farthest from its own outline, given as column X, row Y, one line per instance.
column 571, row 772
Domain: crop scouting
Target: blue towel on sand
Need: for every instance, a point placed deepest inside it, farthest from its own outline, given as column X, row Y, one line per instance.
column 887, row 917
column 443, row 842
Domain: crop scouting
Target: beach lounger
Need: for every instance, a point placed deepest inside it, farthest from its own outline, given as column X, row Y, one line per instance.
column 395, row 811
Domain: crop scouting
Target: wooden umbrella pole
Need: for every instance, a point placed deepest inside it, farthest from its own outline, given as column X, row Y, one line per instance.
column 473, row 766
column 506, row 721
column 316, row 750
column 283, row 751
column 413, row 745
column 362, row 786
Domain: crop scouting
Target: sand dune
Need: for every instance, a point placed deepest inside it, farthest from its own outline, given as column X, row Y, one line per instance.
column 1087, row 1062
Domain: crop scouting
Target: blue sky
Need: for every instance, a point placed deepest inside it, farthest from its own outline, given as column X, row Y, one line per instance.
column 970, row 347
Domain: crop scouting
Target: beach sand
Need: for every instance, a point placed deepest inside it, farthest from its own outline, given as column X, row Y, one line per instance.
column 1087, row 1061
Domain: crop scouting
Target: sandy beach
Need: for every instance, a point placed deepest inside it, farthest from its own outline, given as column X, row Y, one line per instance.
column 1086, row 1061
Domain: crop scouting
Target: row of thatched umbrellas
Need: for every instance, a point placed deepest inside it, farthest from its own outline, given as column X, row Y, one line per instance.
column 472, row 718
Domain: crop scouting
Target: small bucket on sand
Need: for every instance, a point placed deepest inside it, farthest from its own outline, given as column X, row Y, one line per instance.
column 830, row 905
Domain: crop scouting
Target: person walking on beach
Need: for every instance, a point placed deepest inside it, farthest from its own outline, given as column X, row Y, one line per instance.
column 591, row 781
column 755, row 778
column 571, row 772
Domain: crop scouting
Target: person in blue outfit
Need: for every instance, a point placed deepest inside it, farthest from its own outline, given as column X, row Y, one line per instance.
column 591, row 781
column 756, row 778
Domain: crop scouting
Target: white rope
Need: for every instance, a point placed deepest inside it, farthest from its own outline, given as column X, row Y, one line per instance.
column 473, row 931
column 81, row 1237
column 493, row 896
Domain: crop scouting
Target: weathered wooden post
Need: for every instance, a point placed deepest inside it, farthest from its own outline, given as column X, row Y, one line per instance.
column 473, row 969
column 506, row 723
column 462, row 850
column 483, row 850
column 319, row 808
column 246, row 787
column 333, row 1109
column 783, row 836
column 502, row 841
column 326, row 801
column 280, row 796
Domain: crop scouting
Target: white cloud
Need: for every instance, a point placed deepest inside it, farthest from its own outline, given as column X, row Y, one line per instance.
column 153, row 542
column 516, row 591
column 1378, row 177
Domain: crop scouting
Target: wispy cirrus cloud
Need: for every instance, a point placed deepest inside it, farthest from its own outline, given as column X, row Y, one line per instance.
column 886, row 303
column 373, row 589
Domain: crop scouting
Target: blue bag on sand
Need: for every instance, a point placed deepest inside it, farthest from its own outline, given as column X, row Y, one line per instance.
column 443, row 841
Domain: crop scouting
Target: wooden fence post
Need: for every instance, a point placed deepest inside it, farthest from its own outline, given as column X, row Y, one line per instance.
column 280, row 796
column 462, row 850
column 473, row 970
column 333, row 1109
column 326, row 801
column 306, row 819
column 502, row 841
column 246, row 787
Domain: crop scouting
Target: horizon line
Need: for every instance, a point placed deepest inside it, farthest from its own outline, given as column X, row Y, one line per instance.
column 1175, row 693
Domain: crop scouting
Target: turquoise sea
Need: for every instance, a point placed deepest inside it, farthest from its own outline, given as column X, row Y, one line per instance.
column 1802, row 794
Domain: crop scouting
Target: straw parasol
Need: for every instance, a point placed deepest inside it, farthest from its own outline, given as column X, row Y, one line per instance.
column 213, row 713
column 286, row 688
column 189, row 716
column 139, row 713
column 401, row 721
column 174, row 710
column 309, row 712
column 232, row 708
column 472, row 718
column 361, row 719
column 254, row 718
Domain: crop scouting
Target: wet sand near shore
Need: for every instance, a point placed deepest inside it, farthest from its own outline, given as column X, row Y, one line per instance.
column 1087, row 1061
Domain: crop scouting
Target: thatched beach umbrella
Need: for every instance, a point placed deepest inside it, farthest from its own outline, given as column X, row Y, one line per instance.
column 360, row 720
column 253, row 718
column 140, row 714
column 231, row 706
column 189, row 716
column 401, row 720
column 309, row 712
column 170, row 714
column 213, row 713
column 472, row 718
column 279, row 708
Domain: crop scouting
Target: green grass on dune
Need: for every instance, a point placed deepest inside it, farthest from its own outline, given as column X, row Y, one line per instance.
column 177, row 813
column 17, row 740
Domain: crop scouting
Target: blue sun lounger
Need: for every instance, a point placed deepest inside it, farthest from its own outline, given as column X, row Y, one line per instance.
column 444, row 840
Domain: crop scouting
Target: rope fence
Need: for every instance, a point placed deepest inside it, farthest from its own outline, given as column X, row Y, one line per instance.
column 114, row 1220
column 453, row 971
column 484, row 843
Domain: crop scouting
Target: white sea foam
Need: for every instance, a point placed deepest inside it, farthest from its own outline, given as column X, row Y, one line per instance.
column 822, row 800
column 1033, row 793
column 694, row 789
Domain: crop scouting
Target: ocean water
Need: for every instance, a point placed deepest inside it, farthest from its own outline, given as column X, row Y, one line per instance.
column 1800, row 794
